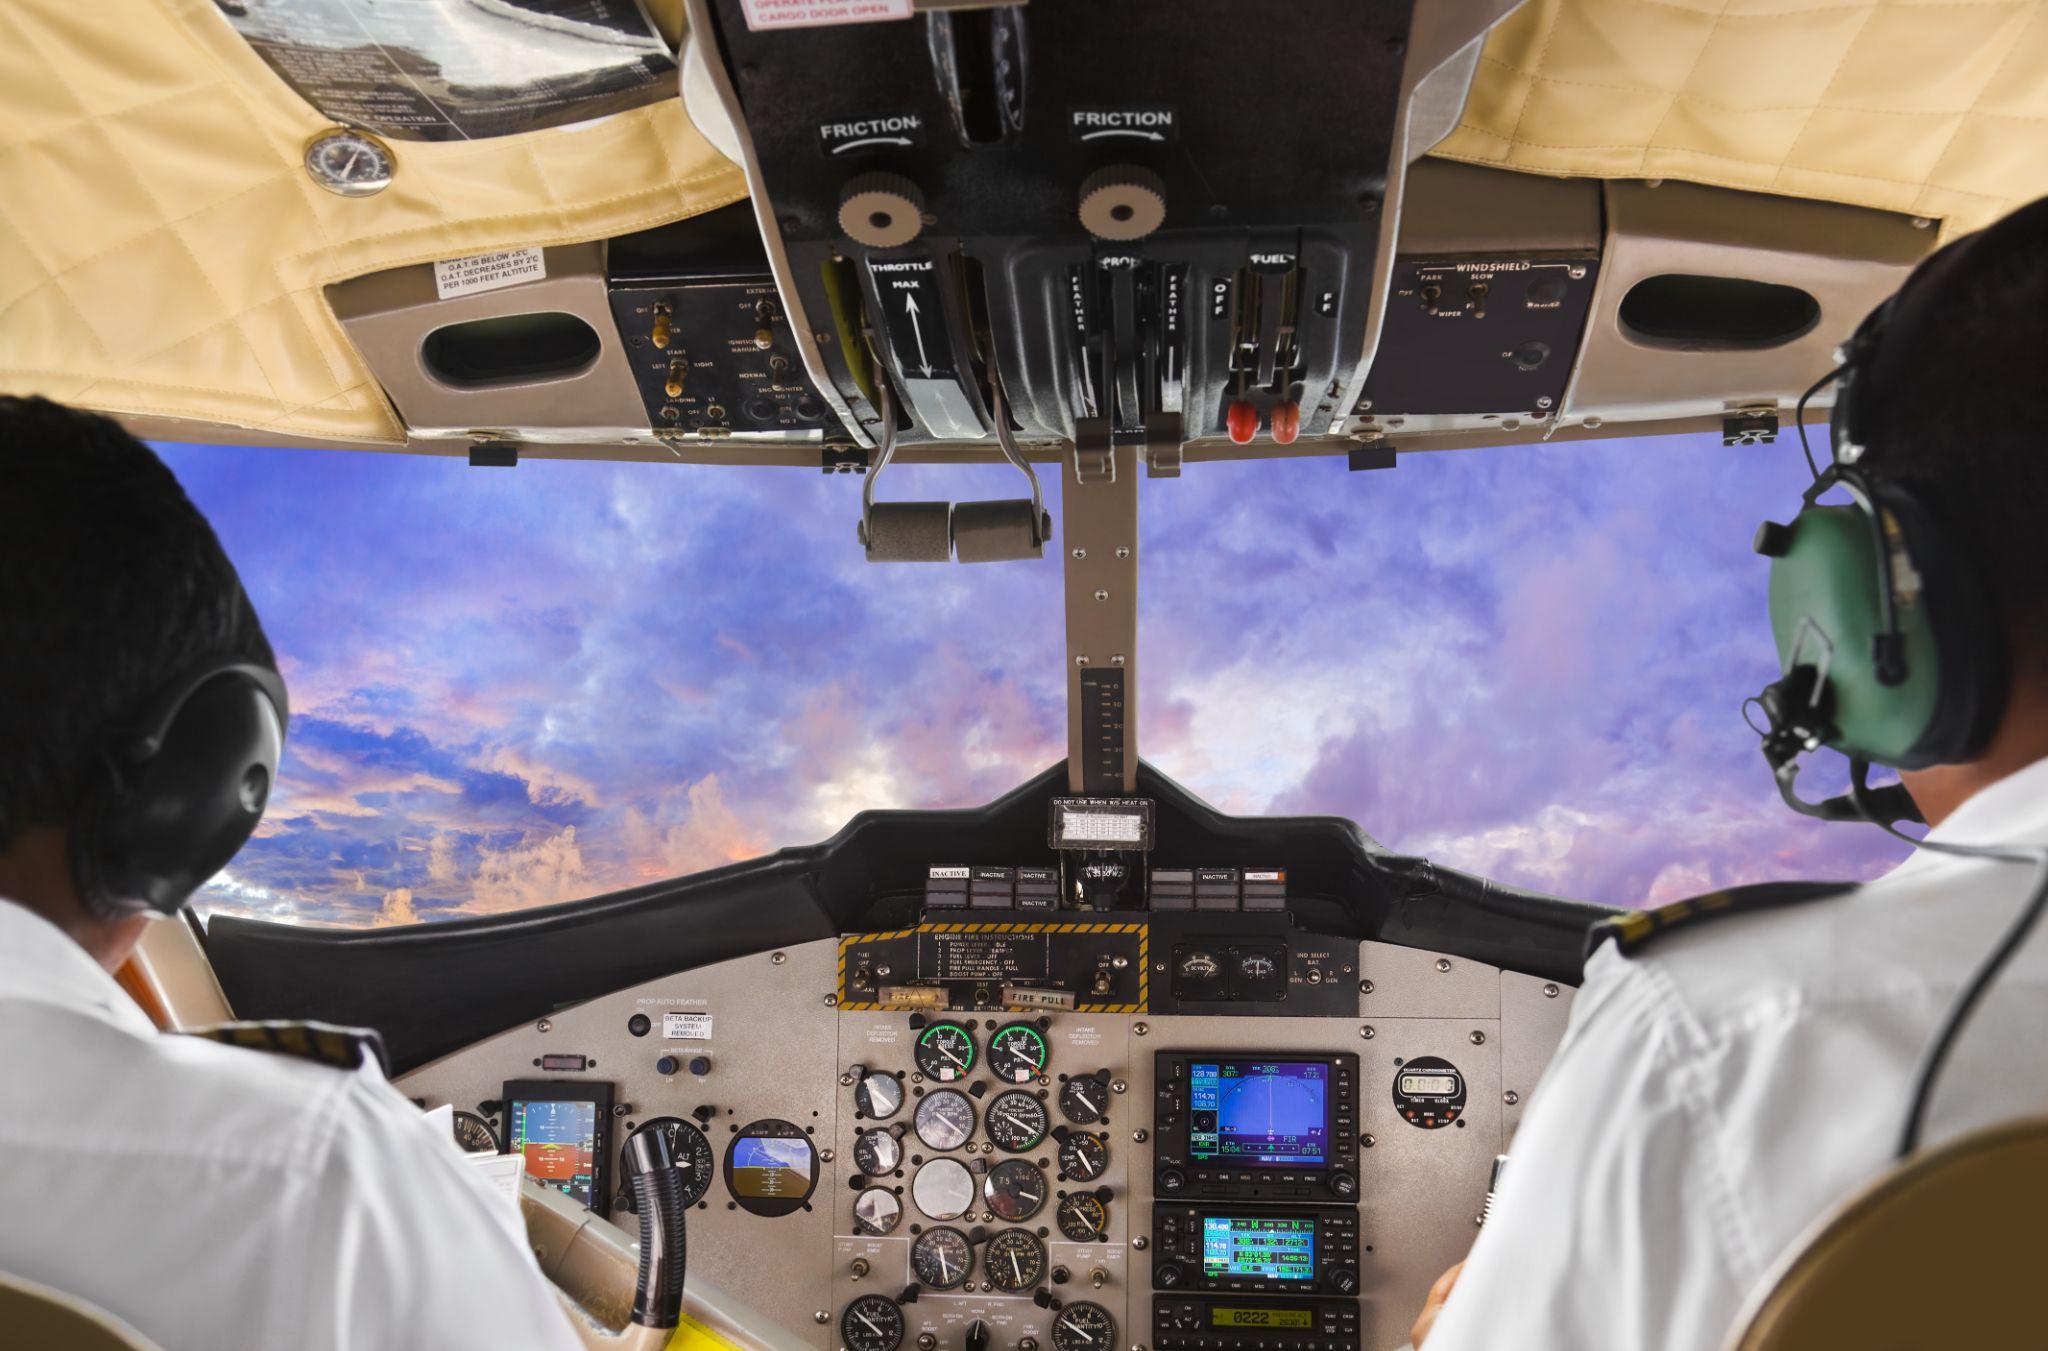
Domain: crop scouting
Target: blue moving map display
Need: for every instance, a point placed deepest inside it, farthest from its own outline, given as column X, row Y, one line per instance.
column 1279, row 1250
column 1259, row 1114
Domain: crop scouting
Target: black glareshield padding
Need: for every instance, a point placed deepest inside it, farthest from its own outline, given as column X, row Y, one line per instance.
column 177, row 792
column 658, row 1196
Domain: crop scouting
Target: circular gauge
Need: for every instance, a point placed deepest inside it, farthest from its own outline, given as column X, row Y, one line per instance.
column 1084, row 1100
column 877, row 1152
column 940, row 1258
column 1013, row 1261
column 943, row 1189
column 945, row 1119
column 1014, row 1189
column 1083, row 1217
column 1017, row 1121
column 692, row 1154
column 474, row 1135
column 1017, row 1053
column 1082, row 1326
column 1083, row 1157
column 878, row 1096
column 945, row 1051
column 350, row 164
column 872, row 1323
column 771, row 1167
column 876, row 1211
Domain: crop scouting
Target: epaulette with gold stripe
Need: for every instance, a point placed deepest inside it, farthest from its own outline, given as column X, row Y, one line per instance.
column 344, row 1048
column 1636, row 928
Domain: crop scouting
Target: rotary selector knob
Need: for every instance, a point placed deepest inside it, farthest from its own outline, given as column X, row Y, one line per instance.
column 882, row 211
column 1122, row 202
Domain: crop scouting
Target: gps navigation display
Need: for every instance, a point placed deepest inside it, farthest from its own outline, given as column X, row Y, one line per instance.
column 1259, row 1114
column 559, row 1142
column 1275, row 1249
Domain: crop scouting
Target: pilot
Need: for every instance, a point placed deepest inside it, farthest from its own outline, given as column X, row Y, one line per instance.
column 211, row 1196
column 1738, row 1073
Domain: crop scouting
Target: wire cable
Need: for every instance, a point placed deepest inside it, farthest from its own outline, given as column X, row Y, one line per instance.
column 1799, row 418
column 1935, row 1058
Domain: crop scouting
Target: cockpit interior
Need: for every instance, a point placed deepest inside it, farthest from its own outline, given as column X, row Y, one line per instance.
column 1096, row 1066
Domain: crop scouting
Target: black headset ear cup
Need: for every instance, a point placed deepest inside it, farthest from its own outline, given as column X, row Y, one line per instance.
column 1968, row 635
column 175, row 800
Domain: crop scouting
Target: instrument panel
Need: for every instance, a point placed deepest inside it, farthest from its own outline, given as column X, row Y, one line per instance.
column 980, row 1173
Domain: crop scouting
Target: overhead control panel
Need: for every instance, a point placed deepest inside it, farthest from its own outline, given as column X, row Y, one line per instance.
column 1024, row 201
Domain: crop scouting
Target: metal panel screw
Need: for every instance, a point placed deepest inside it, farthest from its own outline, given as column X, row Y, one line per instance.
column 1365, row 987
column 1080, row 661
column 1511, row 1097
column 824, row 1156
column 1080, row 554
column 846, row 1081
column 1550, row 992
column 777, row 958
column 1123, row 551
column 1139, row 1136
column 1140, row 1029
column 1922, row 223
column 544, row 1025
column 821, row 1317
column 1367, row 1141
column 1138, row 1241
column 1117, row 660
column 1543, row 402
column 1479, row 1039
column 1101, row 595
column 1443, row 963
column 831, row 1001
column 1119, row 1086
column 1367, row 1032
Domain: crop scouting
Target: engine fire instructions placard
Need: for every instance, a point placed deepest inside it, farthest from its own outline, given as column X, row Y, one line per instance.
column 453, row 70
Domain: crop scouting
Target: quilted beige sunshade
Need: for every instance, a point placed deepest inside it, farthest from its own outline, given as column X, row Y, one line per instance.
column 1933, row 108
column 162, row 249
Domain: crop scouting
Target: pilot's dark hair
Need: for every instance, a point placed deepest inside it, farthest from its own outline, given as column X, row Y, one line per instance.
column 111, row 586
column 1954, row 403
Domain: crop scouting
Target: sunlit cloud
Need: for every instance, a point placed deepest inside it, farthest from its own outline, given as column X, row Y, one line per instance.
column 511, row 689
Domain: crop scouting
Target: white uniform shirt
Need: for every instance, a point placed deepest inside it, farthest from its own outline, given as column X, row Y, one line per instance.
column 219, row 1199
column 1721, row 1089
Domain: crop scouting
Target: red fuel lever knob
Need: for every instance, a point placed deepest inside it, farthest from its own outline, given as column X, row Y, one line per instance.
column 1242, row 421
column 1286, row 422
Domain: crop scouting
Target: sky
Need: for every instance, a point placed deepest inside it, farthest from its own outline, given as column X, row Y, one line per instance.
column 512, row 687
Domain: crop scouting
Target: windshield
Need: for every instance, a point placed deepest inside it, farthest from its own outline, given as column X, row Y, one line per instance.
column 512, row 687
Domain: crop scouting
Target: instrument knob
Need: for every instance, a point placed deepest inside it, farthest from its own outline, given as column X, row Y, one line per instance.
column 1343, row 1186
column 1122, row 203
column 1167, row 1275
column 1345, row 1281
column 1172, row 1180
column 881, row 211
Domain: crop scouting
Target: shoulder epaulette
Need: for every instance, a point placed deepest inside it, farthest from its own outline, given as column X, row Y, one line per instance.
column 1631, row 931
column 344, row 1048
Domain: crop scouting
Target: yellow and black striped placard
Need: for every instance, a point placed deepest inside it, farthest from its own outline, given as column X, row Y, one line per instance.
column 848, row 942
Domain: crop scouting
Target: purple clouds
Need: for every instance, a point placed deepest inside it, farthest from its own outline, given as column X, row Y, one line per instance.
column 515, row 687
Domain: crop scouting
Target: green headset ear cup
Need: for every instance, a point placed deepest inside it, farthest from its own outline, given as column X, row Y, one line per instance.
column 1826, row 610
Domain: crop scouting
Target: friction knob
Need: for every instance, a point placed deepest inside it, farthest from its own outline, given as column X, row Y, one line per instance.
column 881, row 211
column 1122, row 202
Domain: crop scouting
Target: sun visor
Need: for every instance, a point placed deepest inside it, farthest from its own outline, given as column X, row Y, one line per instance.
column 165, row 246
column 1925, row 110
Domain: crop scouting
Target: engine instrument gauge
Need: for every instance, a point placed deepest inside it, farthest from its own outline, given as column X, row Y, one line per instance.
column 1083, row 1157
column 692, row 1154
column 1083, row 1217
column 940, row 1259
column 943, row 1189
column 872, row 1323
column 876, row 1211
column 1017, row 1053
column 350, row 163
column 945, row 1051
column 1256, row 965
column 945, row 1119
column 1083, row 1326
column 1017, row 1121
column 878, row 1096
column 877, row 1152
column 1014, row 1189
column 473, row 1135
column 1084, row 1100
column 1013, row 1261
